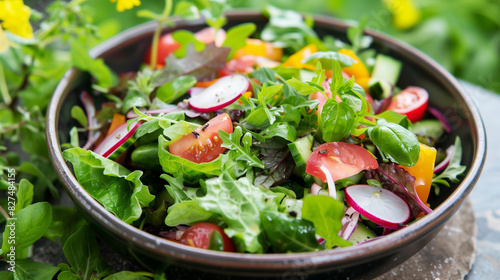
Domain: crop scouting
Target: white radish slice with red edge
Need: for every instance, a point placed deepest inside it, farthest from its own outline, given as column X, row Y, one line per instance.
column 379, row 205
column 117, row 141
column 331, row 183
column 88, row 104
column 349, row 223
column 220, row 94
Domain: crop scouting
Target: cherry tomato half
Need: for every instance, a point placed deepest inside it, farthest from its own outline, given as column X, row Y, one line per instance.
column 412, row 102
column 203, row 144
column 341, row 159
column 207, row 236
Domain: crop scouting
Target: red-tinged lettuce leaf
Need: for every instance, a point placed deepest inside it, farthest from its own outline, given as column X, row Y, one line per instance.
column 399, row 181
column 120, row 191
column 278, row 164
column 202, row 65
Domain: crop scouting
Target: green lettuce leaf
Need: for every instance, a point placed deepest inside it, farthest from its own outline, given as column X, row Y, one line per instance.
column 239, row 204
column 120, row 191
column 191, row 171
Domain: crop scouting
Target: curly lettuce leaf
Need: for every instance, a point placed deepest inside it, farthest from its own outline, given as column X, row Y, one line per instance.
column 120, row 191
column 239, row 204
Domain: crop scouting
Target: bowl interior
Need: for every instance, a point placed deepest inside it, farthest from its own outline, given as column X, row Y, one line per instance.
column 126, row 52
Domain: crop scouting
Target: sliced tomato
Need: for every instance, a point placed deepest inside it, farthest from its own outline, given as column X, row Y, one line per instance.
column 207, row 236
column 203, row 144
column 167, row 44
column 412, row 102
column 341, row 159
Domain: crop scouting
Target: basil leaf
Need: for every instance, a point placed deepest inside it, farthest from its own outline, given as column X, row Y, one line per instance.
column 337, row 120
column 395, row 143
column 32, row 222
column 29, row 270
column 337, row 79
column 237, row 35
column 24, row 194
column 394, row 117
column 304, row 88
column 82, row 252
column 120, row 191
column 326, row 214
column 288, row 234
column 173, row 90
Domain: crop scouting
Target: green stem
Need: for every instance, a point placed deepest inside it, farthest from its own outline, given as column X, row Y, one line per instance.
column 156, row 36
column 3, row 87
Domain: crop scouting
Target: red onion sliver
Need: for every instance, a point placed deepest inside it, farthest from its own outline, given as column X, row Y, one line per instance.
column 436, row 113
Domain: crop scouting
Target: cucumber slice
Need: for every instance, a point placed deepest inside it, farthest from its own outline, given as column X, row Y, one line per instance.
column 362, row 233
column 384, row 77
column 301, row 151
column 146, row 157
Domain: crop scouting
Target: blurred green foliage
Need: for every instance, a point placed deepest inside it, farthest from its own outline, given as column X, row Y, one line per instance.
column 461, row 35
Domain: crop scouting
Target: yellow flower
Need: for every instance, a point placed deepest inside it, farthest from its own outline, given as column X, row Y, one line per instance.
column 123, row 5
column 405, row 14
column 15, row 18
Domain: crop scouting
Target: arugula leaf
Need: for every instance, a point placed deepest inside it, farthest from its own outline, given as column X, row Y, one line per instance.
column 239, row 204
column 186, row 38
column 32, row 222
column 202, row 65
column 214, row 11
column 265, row 75
column 326, row 214
column 120, row 191
column 30, row 270
column 191, row 171
column 242, row 145
column 236, row 37
column 288, row 234
column 337, row 120
column 82, row 252
column 24, row 194
column 96, row 67
column 453, row 170
column 395, row 142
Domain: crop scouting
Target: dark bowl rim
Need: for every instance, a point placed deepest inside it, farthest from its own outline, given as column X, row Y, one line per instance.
column 341, row 257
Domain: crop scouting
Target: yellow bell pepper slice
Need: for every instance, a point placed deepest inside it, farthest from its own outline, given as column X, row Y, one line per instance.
column 257, row 47
column 358, row 69
column 423, row 171
column 295, row 60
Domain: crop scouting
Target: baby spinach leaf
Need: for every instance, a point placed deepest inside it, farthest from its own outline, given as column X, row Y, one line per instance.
column 186, row 212
column 280, row 129
column 82, row 252
column 173, row 90
column 326, row 214
column 395, row 142
column 242, row 145
column 237, row 35
column 337, row 120
column 120, row 191
column 288, row 234
column 191, row 171
column 239, row 204
column 30, row 270
column 32, row 222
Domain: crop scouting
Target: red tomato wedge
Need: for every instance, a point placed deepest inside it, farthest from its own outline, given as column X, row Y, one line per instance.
column 167, row 44
column 203, row 144
column 341, row 159
column 199, row 235
column 412, row 102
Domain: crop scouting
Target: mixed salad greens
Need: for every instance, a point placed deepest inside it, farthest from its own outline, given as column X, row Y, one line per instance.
column 263, row 142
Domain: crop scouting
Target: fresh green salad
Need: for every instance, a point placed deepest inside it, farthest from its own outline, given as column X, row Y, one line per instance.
column 266, row 141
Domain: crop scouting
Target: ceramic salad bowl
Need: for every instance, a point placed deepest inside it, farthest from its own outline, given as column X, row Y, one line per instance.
column 125, row 52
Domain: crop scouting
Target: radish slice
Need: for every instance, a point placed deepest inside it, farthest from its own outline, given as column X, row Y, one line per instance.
column 444, row 163
column 196, row 90
column 94, row 134
column 349, row 223
column 222, row 93
column 117, row 141
column 315, row 189
column 331, row 183
column 379, row 205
